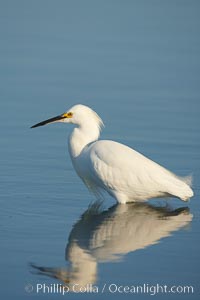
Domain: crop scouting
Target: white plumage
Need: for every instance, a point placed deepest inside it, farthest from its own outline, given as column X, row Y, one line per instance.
column 105, row 165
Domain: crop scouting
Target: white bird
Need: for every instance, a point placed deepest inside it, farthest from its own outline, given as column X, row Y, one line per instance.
column 105, row 165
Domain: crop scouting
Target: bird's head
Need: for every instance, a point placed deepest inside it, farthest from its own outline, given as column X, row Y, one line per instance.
column 78, row 115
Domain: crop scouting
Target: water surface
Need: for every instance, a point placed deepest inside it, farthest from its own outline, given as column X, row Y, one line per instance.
column 137, row 64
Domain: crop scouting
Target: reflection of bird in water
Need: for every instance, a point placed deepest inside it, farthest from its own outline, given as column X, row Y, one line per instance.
column 124, row 173
column 109, row 235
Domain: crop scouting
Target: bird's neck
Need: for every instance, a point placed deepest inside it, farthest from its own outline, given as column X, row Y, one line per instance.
column 82, row 136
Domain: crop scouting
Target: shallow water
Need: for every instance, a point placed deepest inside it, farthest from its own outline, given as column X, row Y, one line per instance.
column 137, row 64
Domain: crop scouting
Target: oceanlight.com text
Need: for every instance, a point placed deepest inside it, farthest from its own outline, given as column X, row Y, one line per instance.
column 146, row 288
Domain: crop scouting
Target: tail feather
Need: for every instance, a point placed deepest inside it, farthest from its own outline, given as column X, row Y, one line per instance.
column 182, row 187
column 187, row 179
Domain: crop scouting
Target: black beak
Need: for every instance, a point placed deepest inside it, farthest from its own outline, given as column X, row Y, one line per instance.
column 52, row 120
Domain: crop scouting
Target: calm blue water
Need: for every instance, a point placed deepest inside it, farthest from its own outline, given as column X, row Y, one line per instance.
column 137, row 64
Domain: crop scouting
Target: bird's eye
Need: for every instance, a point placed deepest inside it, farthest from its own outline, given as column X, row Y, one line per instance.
column 70, row 115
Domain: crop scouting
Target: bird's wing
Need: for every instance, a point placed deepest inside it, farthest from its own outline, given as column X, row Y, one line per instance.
column 119, row 167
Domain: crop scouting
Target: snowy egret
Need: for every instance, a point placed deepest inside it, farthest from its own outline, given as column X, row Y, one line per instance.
column 105, row 165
